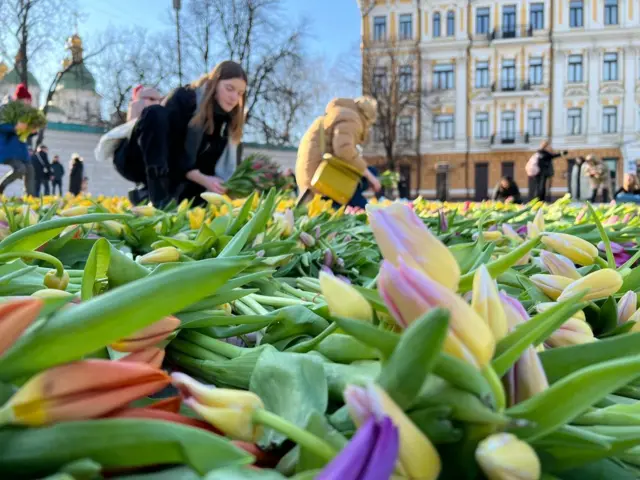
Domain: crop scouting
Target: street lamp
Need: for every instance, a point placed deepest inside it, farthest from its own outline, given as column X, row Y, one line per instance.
column 177, row 4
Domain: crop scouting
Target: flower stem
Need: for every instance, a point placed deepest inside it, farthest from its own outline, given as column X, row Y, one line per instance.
column 309, row 345
column 212, row 344
column 300, row 436
column 4, row 257
column 496, row 387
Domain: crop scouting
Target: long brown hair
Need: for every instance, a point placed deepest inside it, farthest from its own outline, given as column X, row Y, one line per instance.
column 226, row 70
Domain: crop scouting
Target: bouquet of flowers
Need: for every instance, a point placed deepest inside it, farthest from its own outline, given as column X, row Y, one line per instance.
column 257, row 172
column 16, row 113
column 390, row 179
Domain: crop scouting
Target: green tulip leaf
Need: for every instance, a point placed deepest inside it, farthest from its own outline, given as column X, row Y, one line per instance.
column 382, row 340
column 242, row 216
column 94, row 279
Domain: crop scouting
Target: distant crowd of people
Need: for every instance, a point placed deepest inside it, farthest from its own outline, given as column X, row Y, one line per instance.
column 40, row 176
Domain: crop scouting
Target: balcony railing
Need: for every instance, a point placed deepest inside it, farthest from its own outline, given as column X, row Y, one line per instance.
column 509, row 138
column 513, row 86
column 517, row 31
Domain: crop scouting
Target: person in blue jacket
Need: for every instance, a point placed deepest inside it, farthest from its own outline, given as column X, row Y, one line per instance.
column 13, row 152
column 358, row 199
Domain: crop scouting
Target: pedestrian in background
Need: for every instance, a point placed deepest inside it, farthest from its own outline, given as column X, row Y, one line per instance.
column 13, row 152
column 76, row 174
column 507, row 191
column 630, row 185
column 545, row 170
column 42, row 171
column 600, row 178
column 580, row 183
column 57, row 174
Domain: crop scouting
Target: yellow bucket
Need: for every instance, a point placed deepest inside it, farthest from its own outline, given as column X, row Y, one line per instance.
column 336, row 179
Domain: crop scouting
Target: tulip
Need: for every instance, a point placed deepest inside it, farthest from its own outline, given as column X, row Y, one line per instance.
column 551, row 285
column 532, row 230
column 490, row 235
column 344, row 300
column 230, row 411
column 444, row 223
column 410, row 293
column 113, row 227
column 147, row 337
column 27, row 216
column 402, row 235
column 486, row 302
column 627, row 306
column 52, row 293
column 52, row 280
column 538, row 220
column 572, row 332
column 559, row 265
column 510, row 233
column 285, row 221
column 74, row 211
column 514, row 311
column 327, row 258
column 502, row 456
column 526, row 378
column 5, row 230
column 15, row 317
column 151, row 356
column 370, row 455
column 307, row 240
column 196, row 217
column 144, row 211
column 418, row 457
column 543, row 307
column 81, row 390
column 574, row 248
column 599, row 284
column 161, row 255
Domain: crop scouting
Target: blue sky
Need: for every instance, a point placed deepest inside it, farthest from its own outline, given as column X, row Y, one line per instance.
column 335, row 24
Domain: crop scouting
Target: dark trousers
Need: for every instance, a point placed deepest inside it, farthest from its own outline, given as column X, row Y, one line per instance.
column 42, row 186
column 56, row 183
column 541, row 183
column 605, row 195
column 18, row 170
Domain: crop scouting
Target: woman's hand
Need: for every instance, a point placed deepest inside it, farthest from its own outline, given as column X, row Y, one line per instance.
column 214, row 184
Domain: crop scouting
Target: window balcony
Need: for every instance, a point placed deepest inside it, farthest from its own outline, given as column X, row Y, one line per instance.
column 509, row 139
column 515, row 32
column 512, row 87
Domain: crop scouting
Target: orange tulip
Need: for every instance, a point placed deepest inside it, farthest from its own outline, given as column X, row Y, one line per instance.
column 171, row 404
column 15, row 317
column 148, row 337
column 155, row 414
column 81, row 390
column 152, row 356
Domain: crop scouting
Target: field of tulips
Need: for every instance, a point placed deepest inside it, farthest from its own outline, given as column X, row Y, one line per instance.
column 253, row 339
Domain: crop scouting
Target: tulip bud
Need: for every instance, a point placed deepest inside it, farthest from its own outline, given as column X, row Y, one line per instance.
column 627, row 306
column 113, row 227
column 48, row 293
column 543, row 307
column 538, row 220
column 161, row 255
column 572, row 332
column 514, row 311
column 532, row 230
column 81, row 390
column 559, row 265
column 502, row 456
column 510, row 233
column 145, row 211
column 214, row 199
column 307, row 240
column 526, row 378
column 599, row 284
column 402, row 235
column 74, row 211
column 490, row 235
column 486, row 302
column 230, row 411
column 15, row 317
column 147, row 337
column 151, row 356
column 52, row 280
column 444, row 223
column 551, row 285
column 344, row 300
column 574, row 248
column 327, row 258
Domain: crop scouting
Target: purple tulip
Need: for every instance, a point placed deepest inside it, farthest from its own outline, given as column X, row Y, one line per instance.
column 522, row 230
column 316, row 232
column 618, row 249
column 444, row 224
column 327, row 259
column 344, row 279
column 307, row 240
column 371, row 454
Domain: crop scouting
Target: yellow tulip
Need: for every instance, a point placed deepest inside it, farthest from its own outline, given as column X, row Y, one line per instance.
column 74, row 211
column 144, row 211
column 113, row 227
column 52, row 293
column 543, row 307
column 344, row 300
column 502, row 456
column 574, row 248
column 572, row 332
column 599, row 284
column 196, row 217
column 627, row 306
column 402, row 235
column 161, row 255
column 559, row 265
column 538, row 220
column 230, row 411
column 417, row 457
column 486, row 302
column 551, row 285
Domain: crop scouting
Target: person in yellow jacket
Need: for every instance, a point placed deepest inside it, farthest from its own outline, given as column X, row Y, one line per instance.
column 346, row 125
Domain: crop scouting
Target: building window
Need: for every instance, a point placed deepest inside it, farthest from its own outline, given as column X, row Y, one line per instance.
column 536, row 16
column 406, row 27
column 443, row 77
column 574, row 121
column 508, row 125
column 406, row 78
column 575, row 69
column 482, row 20
column 508, row 74
column 451, row 23
column 482, row 74
column 405, row 129
column 379, row 29
column 535, row 71
column 576, row 13
column 535, row 123
column 509, row 21
column 437, row 25
column 482, row 125
column 379, row 80
column 610, row 73
column 443, row 127
column 610, row 120
column 610, row 12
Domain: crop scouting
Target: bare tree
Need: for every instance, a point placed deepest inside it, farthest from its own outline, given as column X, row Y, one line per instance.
column 32, row 28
